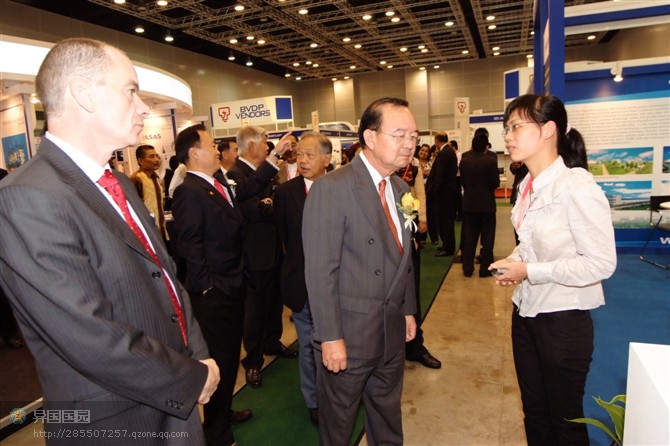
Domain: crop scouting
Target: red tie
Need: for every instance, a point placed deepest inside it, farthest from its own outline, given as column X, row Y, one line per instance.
column 222, row 191
column 111, row 184
column 394, row 230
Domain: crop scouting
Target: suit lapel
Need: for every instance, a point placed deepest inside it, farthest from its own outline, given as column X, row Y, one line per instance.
column 371, row 206
column 94, row 198
column 214, row 194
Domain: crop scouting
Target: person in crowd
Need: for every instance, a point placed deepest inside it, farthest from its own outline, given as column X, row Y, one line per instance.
column 167, row 178
column 289, row 169
column 415, row 350
column 209, row 238
column 360, row 280
column 177, row 178
column 459, row 188
column 263, row 312
column 85, row 269
column 228, row 154
column 148, row 186
column 313, row 154
column 441, row 193
column 479, row 174
column 566, row 248
column 425, row 161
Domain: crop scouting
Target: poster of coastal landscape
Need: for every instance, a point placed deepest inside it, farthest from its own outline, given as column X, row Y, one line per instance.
column 629, row 161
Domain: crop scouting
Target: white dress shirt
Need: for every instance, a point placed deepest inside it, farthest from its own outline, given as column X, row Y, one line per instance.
column 567, row 240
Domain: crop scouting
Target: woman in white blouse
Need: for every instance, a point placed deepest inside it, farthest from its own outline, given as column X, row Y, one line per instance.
column 566, row 248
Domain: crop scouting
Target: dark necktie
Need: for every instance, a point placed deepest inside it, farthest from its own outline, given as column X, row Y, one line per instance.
column 111, row 184
column 382, row 197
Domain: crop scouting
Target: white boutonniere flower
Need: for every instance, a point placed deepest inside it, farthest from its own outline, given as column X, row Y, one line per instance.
column 409, row 207
column 232, row 184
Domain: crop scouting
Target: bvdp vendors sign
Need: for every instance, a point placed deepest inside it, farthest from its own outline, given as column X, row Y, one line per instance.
column 259, row 111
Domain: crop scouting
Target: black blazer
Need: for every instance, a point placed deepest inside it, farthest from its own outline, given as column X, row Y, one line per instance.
column 261, row 243
column 289, row 204
column 480, row 178
column 442, row 178
column 209, row 237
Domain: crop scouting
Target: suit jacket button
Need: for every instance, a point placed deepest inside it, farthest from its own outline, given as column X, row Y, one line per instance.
column 174, row 318
column 371, row 241
column 156, row 274
column 378, row 272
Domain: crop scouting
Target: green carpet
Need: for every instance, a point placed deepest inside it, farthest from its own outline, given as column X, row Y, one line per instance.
column 280, row 416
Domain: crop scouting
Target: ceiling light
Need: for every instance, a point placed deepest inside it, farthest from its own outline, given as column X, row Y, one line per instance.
column 421, row 47
column 298, row 78
column 309, row 62
column 249, row 63
column 287, row 75
column 162, row 2
column 353, row 67
column 233, row 41
column 315, row 65
column 261, row 41
column 492, row 27
column 450, row 23
column 367, row 17
column 425, row 50
column 495, row 48
column 139, row 29
column 231, row 58
column 389, row 66
column 382, row 62
column 465, row 52
column 239, row 8
column 490, row 17
column 296, row 64
column 303, row 11
column 346, row 39
column 422, row 68
column 591, row 37
column 532, row 33
column 250, row 37
column 313, row 45
column 334, row 79
column 346, row 77
column 403, row 49
column 497, row 53
column 390, row 13
column 529, row 56
column 395, row 19
column 169, row 38
column 358, row 46
column 119, row 2
column 436, row 66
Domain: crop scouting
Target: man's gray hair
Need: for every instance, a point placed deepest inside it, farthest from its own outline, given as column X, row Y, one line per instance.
column 247, row 134
column 325, row 145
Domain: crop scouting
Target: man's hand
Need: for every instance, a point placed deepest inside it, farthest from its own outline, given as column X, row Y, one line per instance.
column 284, row 144
column 334, row 355
column 410, row 328
column 212, row 380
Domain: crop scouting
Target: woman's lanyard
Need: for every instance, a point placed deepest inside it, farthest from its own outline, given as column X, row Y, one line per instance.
column 522, row 204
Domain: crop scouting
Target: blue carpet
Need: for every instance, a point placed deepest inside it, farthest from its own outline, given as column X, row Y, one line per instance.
column 637, row 310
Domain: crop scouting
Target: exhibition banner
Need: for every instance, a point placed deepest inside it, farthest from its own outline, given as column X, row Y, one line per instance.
column 259, row 111
column 15, row 145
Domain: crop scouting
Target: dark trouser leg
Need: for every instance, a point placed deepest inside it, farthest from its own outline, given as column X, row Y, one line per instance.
column 415, row 348
column 488, row 238
column 445, row 225
column 469, row 236
column 552, row 355
column 431, row 216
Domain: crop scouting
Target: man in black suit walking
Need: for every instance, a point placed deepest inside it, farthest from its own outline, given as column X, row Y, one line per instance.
column 209, row 238
column 313, row 154
column 441, row 189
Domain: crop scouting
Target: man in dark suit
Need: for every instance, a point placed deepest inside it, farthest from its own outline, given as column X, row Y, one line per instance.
column 209, row 237
column 263, row 312
column 441, row 189
column 480, row 178
column 85, row 269
column 313, row 154
column 360, row 280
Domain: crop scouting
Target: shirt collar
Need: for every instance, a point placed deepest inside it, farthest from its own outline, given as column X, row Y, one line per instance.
column 90, row 168
column 202, row 175
column 247, row 162
column 549, row 175
column 376, row 176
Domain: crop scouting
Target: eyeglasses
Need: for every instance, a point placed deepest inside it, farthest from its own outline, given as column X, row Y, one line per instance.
column 512, row 128
column 415, row 139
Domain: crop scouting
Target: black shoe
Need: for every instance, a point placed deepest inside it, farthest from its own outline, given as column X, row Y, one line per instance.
column 434, row 243
column 441, row 254
column 485, row 273
column 283, row 352
column 240, row 416
column 254, row 378
column 314, row 416
column 428, row 360
column 467, row 274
